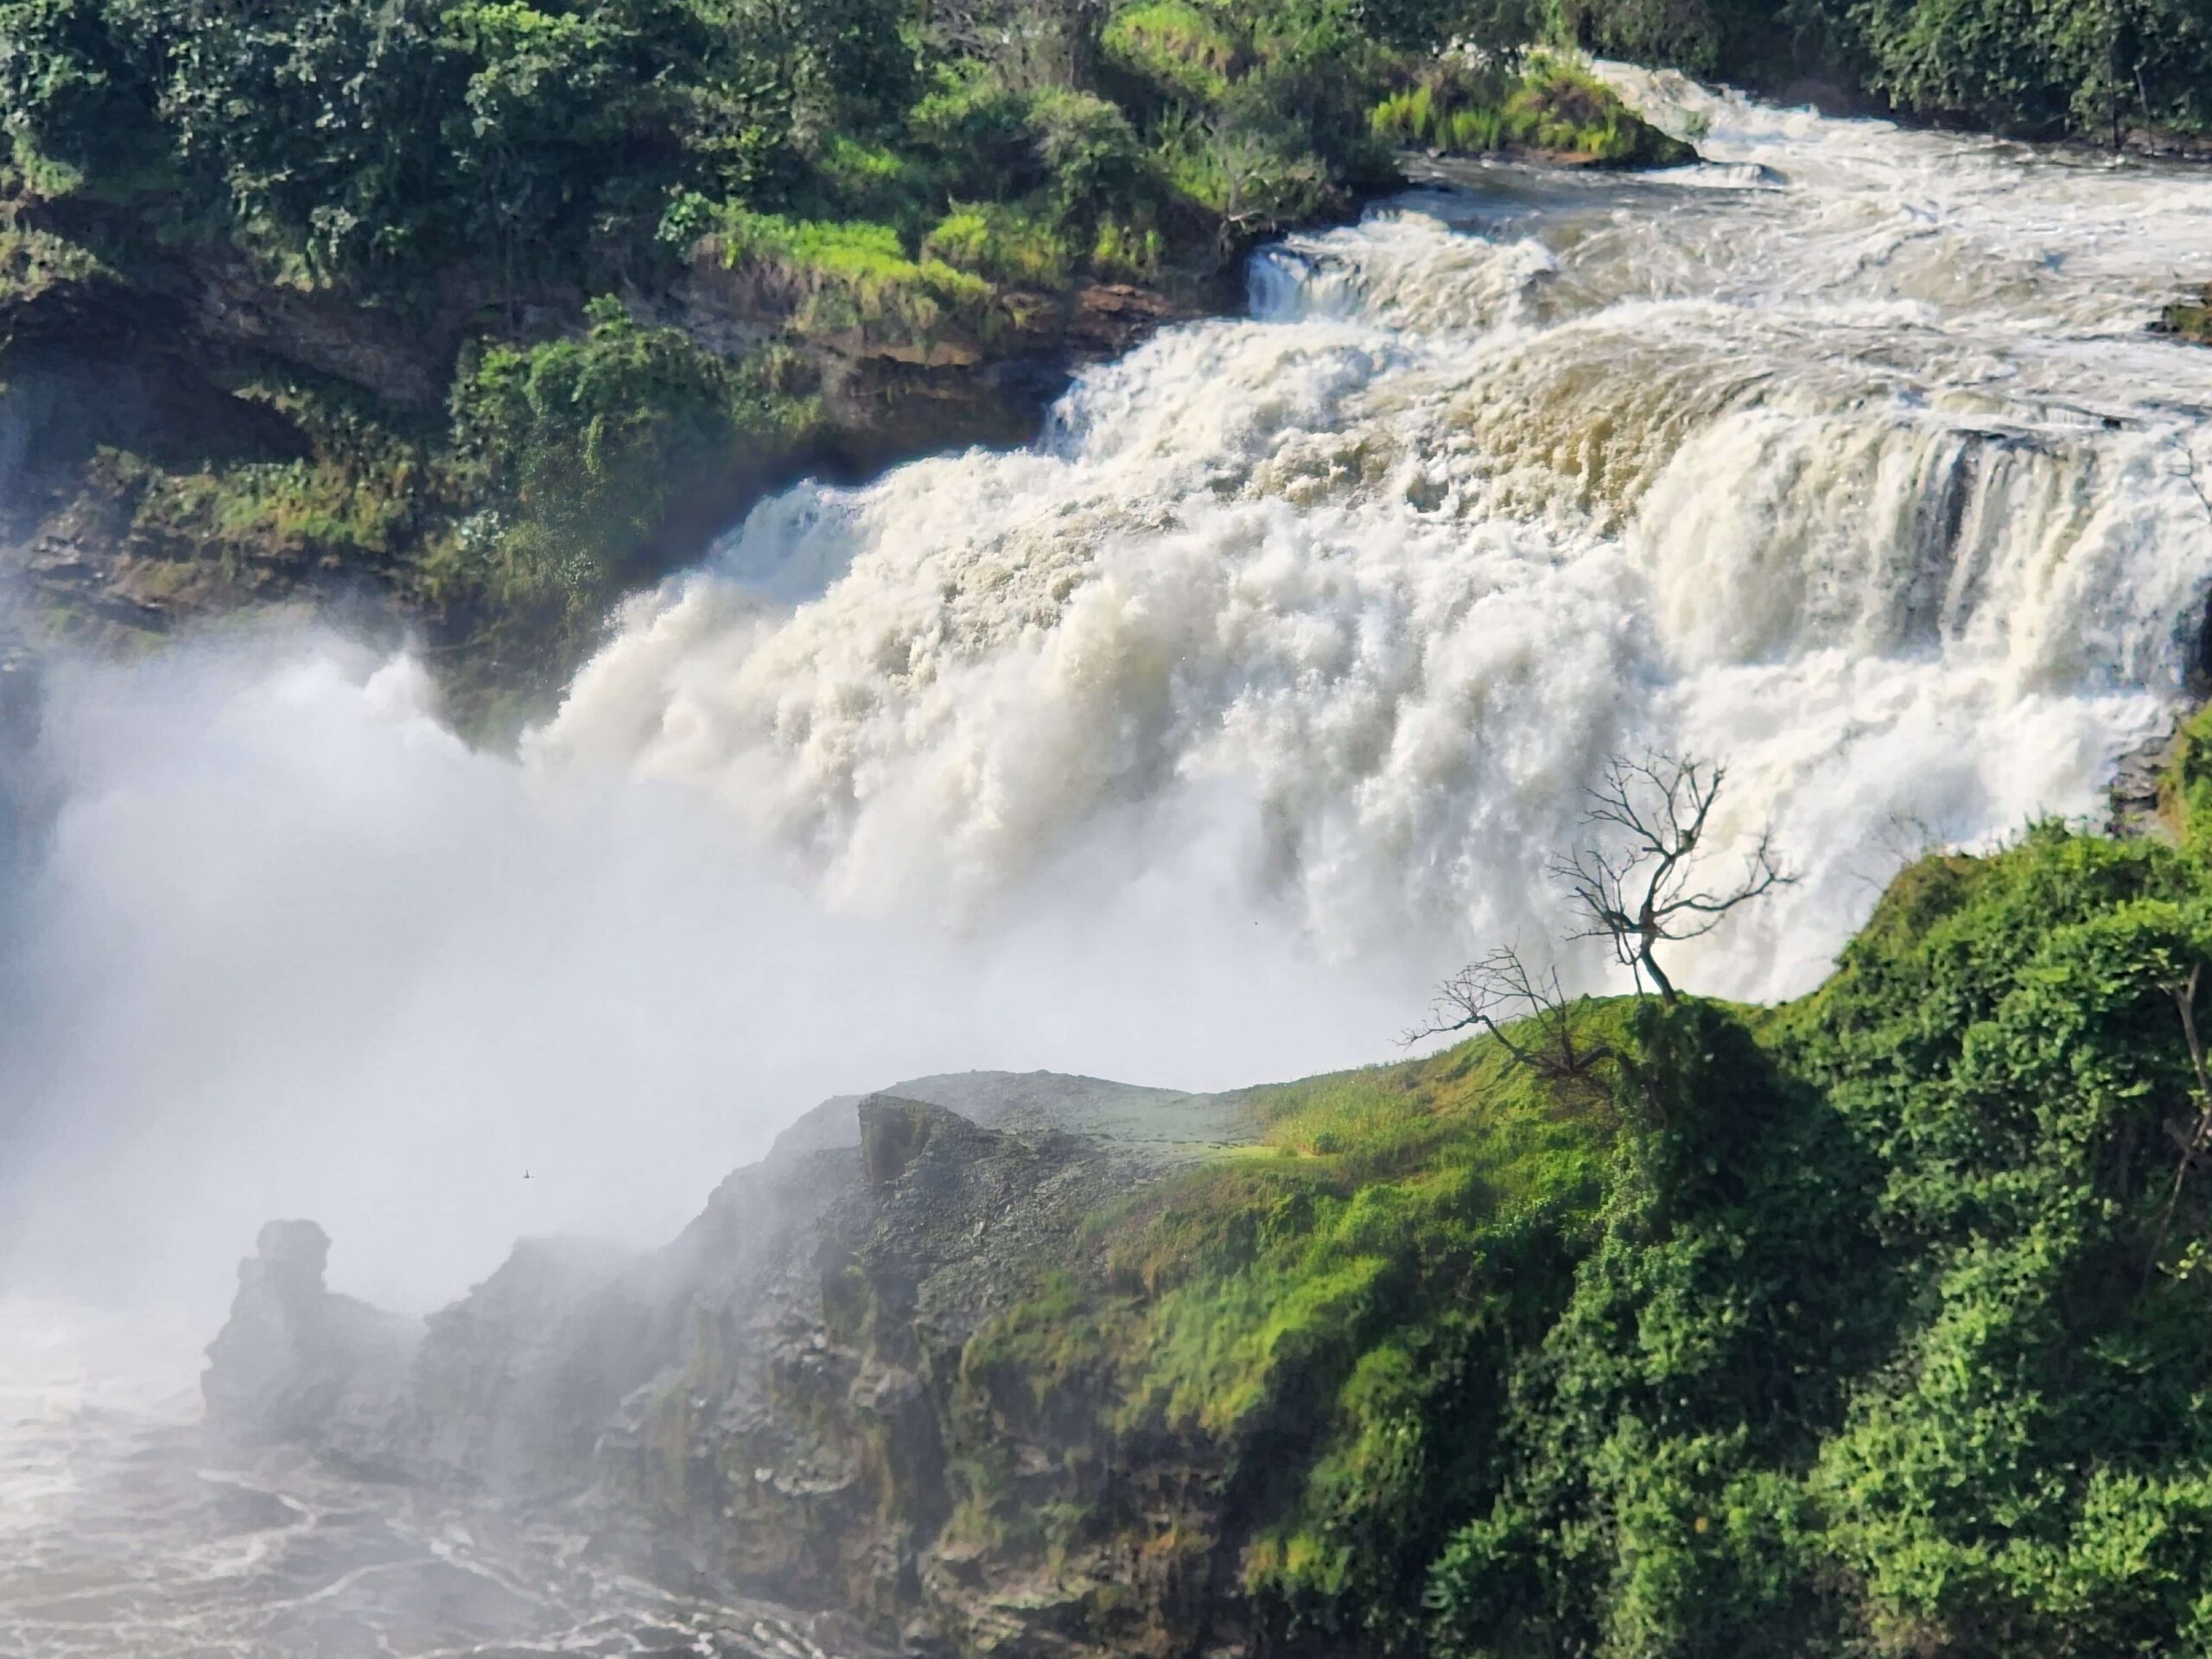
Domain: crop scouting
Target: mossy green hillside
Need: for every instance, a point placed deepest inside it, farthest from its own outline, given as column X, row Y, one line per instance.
column 1875, row 1323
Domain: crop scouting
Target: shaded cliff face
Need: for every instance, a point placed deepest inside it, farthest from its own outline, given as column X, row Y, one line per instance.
column 782, row 1402
column 193, row 438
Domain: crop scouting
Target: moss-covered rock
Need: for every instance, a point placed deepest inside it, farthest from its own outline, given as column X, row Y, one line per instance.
column 2190, row 320
column 1875, row 1321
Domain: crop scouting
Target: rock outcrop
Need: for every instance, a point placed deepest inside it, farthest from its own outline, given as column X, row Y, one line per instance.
column 789, row 1401
column 296, row 1362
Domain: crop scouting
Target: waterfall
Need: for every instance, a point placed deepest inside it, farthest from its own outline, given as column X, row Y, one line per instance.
column 1188, row 746
column 1842, row 458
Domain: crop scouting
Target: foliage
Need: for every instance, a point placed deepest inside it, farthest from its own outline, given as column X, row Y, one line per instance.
column 1001, row 244
column 581, row 446
column 1185, row 51
column 2186, row 789
column 34, row 261
column 1548, row 104
column 853, row 277
column 2190, row 319
column 1878, row 1323
column 2034, row 66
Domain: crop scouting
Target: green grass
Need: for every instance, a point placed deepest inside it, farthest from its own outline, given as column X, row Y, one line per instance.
column 1553, row 104
column 2186, row 793
column 1285, row 1305
column 1124, row 253
column 1385, row 1187
column 1175, row 45
column 1001, row 245
column 842, row 277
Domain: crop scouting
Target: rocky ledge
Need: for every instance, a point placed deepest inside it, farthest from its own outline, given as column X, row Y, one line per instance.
column 789, row 1400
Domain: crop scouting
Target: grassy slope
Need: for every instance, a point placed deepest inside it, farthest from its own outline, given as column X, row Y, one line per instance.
column 1855, row 1326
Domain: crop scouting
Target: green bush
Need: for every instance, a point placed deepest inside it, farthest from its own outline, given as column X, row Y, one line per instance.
column 579, row 446
column 841, row 278
column 1180, row 48
column 1001, row 244
column 1124, row 253
column 78, row 84
column 1548, row 104
column 1876, row 1324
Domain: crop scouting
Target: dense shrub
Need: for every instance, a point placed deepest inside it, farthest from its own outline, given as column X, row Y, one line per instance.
column 2034, row 67
column 578, row 448
column 1876, row 1324
column 1549, row 105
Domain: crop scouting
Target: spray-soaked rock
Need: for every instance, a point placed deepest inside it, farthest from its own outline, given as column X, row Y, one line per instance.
column 293, row 1356
column 777, row 1404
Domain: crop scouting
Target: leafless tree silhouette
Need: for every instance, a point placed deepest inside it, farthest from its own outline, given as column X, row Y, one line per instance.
column 1525, row 1012
column 1636, row 883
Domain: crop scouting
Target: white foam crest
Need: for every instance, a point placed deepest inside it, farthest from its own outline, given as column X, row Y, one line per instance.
column 1401, row 268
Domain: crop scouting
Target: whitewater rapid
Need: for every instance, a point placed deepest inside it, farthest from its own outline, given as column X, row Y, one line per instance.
column 1188, row 746
column 1844, row 458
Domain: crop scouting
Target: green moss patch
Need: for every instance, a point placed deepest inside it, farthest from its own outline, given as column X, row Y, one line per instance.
column 1552, row 105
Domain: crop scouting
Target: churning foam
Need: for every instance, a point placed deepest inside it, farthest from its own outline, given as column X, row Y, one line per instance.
column 1843, row 458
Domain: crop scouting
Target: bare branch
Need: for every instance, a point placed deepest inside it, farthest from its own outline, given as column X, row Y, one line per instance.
column 1639, row 893
column 1526, row 1012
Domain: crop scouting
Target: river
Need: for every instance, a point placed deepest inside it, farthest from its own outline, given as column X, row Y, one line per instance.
column 1187, row 745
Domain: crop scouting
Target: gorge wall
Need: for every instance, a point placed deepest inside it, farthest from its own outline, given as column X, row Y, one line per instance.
column 789, row 1400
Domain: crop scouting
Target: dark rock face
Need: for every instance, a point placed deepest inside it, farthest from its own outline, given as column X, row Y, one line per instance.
column 779, row 1403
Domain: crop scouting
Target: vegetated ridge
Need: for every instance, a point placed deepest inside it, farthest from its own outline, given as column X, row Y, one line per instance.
column 1874, row 1323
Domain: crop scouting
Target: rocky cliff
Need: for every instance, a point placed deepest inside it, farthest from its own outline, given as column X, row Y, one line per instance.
column 791, row 1398
column 183, row 435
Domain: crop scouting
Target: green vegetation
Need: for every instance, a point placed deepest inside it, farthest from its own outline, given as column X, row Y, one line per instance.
column 2191, row 320
column 2037, row 67
column 578, row 445
column 33, row 260
column 1002, row 243
column 1548, row 104
column 387, row 195
column 832, row 279
column 1879, row 1322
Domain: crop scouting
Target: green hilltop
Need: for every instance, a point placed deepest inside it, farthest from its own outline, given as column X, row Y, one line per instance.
column 1877, row 1323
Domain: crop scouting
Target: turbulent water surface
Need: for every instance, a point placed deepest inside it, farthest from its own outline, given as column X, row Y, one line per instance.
column 1187, row 745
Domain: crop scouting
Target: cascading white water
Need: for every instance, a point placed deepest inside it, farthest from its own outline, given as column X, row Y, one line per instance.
column 1188, row 746
column 1844, row 458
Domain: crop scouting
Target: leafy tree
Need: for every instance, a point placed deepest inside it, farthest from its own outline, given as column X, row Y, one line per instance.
column 79, row 78
column 320, row 121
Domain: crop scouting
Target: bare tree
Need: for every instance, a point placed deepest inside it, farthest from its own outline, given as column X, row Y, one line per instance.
column 1525, row 1012
column 1636, row 885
